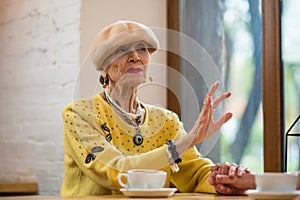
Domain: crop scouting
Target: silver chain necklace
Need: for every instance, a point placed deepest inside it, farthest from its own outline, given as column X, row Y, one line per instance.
column 129, row 117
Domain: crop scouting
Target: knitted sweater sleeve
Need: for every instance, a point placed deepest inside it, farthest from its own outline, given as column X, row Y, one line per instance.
column 194, row 169
column 194, row 173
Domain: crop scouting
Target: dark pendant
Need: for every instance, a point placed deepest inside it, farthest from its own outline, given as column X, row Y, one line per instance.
column 138, row 120
column 138, row 139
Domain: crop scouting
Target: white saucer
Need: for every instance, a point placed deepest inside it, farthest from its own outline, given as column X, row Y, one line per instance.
column 272, row 194
column 163, row 192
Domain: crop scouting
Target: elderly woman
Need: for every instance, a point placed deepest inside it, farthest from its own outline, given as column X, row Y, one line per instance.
column 114, row 132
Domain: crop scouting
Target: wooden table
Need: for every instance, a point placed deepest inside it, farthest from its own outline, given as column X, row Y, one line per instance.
column 177, row 196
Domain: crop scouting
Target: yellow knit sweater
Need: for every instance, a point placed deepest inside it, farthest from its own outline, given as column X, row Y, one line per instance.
column 99, row 145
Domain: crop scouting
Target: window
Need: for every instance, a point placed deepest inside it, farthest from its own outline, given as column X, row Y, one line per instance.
column 272, row 70
column 230, row 33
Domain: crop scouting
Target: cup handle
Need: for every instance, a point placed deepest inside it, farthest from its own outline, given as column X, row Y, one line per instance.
column 120, row 180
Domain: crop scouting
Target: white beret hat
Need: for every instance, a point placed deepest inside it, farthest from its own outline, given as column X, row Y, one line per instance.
column 120, row 33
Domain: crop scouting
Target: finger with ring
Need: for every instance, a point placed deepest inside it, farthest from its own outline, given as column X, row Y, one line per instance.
column 240, row 170
column 232, row 169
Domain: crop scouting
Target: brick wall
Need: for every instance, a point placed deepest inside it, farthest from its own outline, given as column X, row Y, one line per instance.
column 39, row 59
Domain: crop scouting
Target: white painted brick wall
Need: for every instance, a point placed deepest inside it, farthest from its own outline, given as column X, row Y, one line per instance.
column 39, row 59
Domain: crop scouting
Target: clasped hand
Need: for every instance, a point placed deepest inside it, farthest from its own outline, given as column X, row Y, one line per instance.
column 231, row 178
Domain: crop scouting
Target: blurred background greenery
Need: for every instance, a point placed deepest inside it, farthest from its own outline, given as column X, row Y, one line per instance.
column 242, row 26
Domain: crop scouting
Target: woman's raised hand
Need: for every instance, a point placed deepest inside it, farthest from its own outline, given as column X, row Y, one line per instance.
column 205, row 126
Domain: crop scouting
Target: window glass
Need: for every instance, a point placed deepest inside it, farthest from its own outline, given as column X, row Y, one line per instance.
column 291, row 61
column 242, row 137
column 230, row 32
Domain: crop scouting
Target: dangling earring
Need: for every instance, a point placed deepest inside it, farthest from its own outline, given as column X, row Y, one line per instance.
column 104, row 81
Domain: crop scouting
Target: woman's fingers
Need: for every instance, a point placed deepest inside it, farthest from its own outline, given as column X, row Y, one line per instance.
column 212, row 178
column 240, row 171
column 215, row 167
column 236, row 170
column 232, row 169
column 216, row 125
column 217, row 100
column 223, row 189
column 247, row 170
column 205, row 109
column 221, row 98
column 224, row 168
column 205, row 123
column 201, row 126
column 213, row 88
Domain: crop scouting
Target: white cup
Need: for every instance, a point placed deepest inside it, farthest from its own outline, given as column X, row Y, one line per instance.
column 143, row 179
column 276, row 181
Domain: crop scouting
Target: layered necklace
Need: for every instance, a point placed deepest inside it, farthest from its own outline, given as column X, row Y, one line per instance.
column 129, row 118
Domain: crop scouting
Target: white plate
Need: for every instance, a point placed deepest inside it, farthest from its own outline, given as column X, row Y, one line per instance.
column 272, row 194
column 164, row 192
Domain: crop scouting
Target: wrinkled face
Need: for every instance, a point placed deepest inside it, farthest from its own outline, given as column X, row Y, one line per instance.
column 129, row 64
